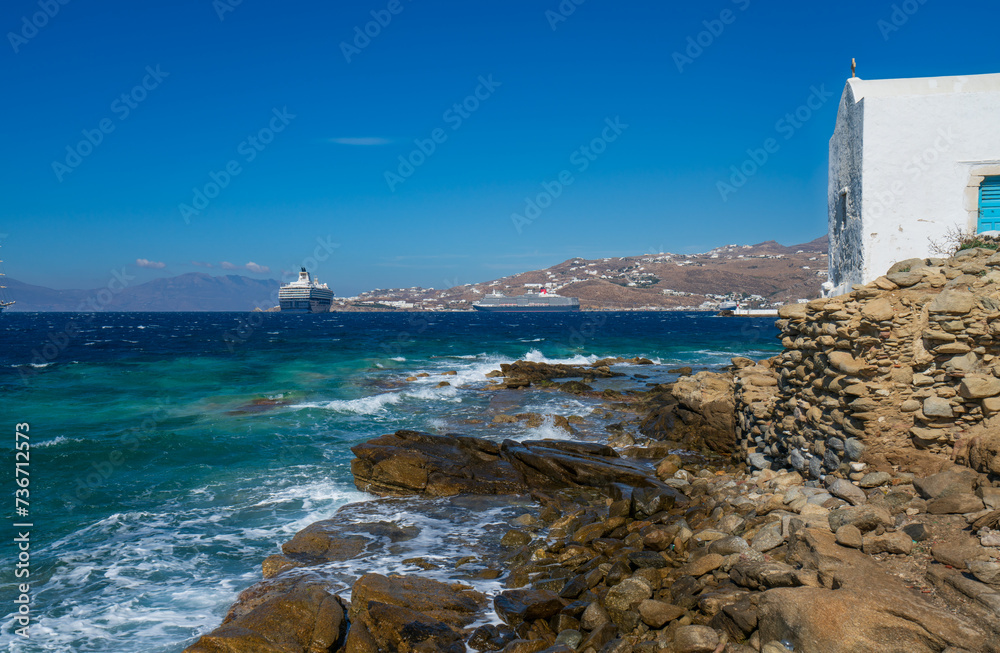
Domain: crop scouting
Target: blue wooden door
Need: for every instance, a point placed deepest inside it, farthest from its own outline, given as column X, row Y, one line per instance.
column 989, row 205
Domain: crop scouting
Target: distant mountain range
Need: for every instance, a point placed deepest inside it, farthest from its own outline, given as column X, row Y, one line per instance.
column 195, row 291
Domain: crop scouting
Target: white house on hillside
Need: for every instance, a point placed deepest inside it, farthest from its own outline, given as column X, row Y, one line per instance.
column 910, row 159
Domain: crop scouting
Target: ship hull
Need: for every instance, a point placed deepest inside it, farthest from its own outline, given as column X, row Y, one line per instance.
column 305, row 306
column 527, row 309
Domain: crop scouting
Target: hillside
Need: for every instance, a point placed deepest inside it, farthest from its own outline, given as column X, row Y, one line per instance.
column 195, row 291
column 763, row 273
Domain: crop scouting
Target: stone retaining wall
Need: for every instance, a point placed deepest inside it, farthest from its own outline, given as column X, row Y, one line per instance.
column 907, row 363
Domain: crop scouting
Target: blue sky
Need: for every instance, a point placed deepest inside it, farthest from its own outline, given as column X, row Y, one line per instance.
column 414, row 148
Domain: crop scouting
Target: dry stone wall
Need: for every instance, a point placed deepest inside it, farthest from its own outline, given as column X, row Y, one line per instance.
column 908, row 363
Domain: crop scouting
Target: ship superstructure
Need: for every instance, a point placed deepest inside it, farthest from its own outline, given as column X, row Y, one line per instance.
column 305, row 295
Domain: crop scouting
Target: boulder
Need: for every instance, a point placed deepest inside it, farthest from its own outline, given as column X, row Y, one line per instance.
column 864, row 518
column 518, row 606
column 695, row 410
column 695, row 639
column 844, row 489
column 454, row 604
column 984, row 452
column 282, row 616
column 859, row 620
column 656, row 614
column 411, row 462
column 956, row 480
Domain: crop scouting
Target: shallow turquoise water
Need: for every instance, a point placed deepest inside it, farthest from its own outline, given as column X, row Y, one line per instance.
column 158, row 485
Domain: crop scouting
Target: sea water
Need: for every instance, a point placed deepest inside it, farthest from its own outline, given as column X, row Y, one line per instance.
column 170, row 453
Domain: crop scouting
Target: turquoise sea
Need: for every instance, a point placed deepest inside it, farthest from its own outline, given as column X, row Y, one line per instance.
column 170, row 453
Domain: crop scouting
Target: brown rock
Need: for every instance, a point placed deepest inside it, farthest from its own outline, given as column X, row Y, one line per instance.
column 849, row 535
column 695, row 639
column 518, row 606
column 858, row 619
column 844, row 362
column 979, row 386
column 955, row 504
column 289, row 616
column 656, row 614
column 454, row 604
column 410, row 462
column 984, row 453
column 894, row 542
column 703, row 565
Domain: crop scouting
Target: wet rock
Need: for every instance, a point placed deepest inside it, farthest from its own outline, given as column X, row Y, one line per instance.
column 695, row 410
column 519, row 606
column 289, row 616
column 594, row 616
column 380, row 627
column 514, row 539
column 454, row 604
column 599, row 637
column 410, row 462
column 621, row 600
column 333, row 539
column 491, row 637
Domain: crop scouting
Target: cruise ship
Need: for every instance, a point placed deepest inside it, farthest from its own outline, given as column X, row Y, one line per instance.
column 305, row 295
column 530, row 302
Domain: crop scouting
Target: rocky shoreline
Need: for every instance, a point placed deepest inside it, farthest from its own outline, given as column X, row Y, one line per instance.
column 664, row 539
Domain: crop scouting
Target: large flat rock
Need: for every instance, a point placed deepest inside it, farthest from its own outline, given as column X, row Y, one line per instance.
column 411, row 462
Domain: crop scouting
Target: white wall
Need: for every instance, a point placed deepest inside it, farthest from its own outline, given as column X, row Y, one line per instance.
column 911, row 153
column 919, row 155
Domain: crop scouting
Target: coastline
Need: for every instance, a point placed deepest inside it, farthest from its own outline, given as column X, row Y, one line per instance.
column 650, row 545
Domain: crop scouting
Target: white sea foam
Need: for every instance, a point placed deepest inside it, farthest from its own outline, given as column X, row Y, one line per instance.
column 398, row 359
column 536, row 356
column 59, row 439
column 361, row 406
column 163, row 577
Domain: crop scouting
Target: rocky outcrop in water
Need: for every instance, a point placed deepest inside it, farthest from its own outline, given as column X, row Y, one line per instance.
column 411, row 462
column 696, row 411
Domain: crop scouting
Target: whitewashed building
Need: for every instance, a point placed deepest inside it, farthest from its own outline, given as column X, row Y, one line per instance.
column 910, row 159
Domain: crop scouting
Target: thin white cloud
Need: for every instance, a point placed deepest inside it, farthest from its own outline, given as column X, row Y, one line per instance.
column 146, row 263
column 361, row 140
column 259, row 269
column 202, row 264
column 226, row 265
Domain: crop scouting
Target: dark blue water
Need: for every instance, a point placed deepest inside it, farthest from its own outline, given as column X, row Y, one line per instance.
column 172, row 452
